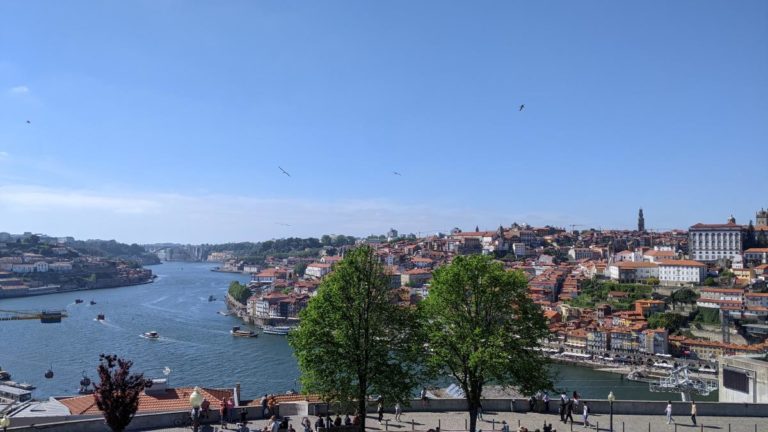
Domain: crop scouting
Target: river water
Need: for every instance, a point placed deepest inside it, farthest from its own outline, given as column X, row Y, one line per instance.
column 194, row 340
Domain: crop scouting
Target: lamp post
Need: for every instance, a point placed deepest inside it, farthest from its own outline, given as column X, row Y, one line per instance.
column 5, row 422
column 195, row 400
column 611, row 398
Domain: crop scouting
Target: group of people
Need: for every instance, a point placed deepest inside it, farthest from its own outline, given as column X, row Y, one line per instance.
column 229, row 414
column 668, row 412
column 329, row 422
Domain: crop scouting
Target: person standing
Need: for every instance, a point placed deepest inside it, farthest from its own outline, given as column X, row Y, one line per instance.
column 585, row 414
column 479, row 411
column 224, row 414
column 693, row 412
column 380, row 411
column 398, row 411
column 668, row 412
column 546, row 403
column 424, row 398
column 264, row 409
column 504, row 426
column 231, row 410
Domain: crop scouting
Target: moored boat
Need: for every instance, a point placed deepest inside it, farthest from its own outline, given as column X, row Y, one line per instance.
column 237, row 331
column 151, row 335
column 277, row 330
column 100, row 317
column 78, row 301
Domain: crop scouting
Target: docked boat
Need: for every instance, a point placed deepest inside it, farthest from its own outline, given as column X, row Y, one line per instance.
column 23, row 386
column 277, row 330
column 4, row 375
column 224, row 313
column 151, row 335
column 237, row 331
column 78, row 301
column 100, row 317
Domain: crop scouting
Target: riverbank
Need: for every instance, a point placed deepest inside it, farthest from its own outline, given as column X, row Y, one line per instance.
column 58, row 289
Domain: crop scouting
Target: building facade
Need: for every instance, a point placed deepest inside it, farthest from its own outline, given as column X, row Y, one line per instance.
column 711, row 242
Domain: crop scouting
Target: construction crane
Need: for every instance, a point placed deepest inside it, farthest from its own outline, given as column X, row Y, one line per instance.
column 45, row 317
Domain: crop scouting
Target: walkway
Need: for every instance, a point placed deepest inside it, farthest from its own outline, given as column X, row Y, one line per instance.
column 455, row 421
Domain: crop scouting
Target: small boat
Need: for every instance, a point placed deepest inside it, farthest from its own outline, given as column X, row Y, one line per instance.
column 93, row 302
column 237, row 331
column 4, row 375
column 100, row 317
column 277, row 330
column 211, row 298
column 151, row 335
column 78, row 301
column 224, row 313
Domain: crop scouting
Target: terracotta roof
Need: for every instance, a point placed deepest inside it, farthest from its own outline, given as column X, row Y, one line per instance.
column 631, row 265
column 682, row 263
column 728, row 226
column 170, row 400
column 756, row 250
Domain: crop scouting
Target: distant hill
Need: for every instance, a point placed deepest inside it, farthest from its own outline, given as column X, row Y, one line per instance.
column 114, row 249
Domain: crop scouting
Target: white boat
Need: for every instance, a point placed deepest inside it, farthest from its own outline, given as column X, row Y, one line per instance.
column 237, row 331
column 151, row 335
column 277, row 330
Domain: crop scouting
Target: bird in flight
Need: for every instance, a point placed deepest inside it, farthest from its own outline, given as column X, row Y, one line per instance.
column 522, row 107
column 29, row 122
column 396, row 173
column 284, row 171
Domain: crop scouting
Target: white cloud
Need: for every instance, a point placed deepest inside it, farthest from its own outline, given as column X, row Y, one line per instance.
column 19, row 90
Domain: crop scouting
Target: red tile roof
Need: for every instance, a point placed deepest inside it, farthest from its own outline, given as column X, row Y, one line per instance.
column 170, row 400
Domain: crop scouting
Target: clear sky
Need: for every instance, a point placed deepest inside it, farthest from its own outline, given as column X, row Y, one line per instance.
column 167, row 120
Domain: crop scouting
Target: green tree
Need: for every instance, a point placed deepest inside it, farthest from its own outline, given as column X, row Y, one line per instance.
column 670, row 321
column 300, row 268
column 652, row 281
column 117, row 393
column 710, row 281
column 685, row 295
column 354, row 340
column 482, row 328
column 239, row 292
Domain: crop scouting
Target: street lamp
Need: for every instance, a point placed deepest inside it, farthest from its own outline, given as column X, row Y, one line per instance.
column 5, row 422
column 611, row 398
column 195, row 400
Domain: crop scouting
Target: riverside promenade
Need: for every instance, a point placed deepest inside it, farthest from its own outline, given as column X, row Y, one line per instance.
column 458, row 421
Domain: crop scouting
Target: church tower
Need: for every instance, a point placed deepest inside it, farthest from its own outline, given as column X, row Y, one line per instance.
column 640, row 221
column 762, row 217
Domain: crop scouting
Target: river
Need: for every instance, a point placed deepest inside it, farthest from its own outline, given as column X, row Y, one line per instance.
column 194, row 340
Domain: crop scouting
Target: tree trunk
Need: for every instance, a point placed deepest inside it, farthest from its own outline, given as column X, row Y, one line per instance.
column 472, row 416
column 362, row 408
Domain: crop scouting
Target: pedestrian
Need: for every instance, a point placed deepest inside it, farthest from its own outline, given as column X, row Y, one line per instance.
column 532, row 403
column 668, row 412
column 546, row 402
column 306, row 424
column 319, row 424
column 576, row 398
column 206, row 408
column 693, row 412
column 231, row 410
column 563, row 403
column 424, row 398
column 398, row 411
column 380, row 411
column 347, row 420
column 504, row 426
column 328, row 420
column 224, row 414
column 274, row 425
column 244, row 417
column 479, row 411
column 569, row 412
column 337, row 421
column 264, row 408
column 290, row 428
column 585, row 414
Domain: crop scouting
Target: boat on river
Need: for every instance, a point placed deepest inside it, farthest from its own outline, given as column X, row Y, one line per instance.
column 78, row 301
column 237, row 331
column 277, row 330
column 93, row 302
column 153, row 335
column 211, row 298
column 100, row 317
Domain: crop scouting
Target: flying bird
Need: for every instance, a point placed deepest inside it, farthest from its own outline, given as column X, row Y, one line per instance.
column 396, row 173
column 29, row 122
column 522, row 107
column 284, row 171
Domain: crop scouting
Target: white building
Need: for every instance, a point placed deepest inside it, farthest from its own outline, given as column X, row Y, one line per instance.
column 682, row 272
column 23, row 268
column 41, row 267
column 519, row 249
column 756, row 256
column 720, row 297
column 60, row 267
column 577, row 254
column 628, row 256
column 657, row 255
column 317, row 270
column 628, row 271
column 711, row 242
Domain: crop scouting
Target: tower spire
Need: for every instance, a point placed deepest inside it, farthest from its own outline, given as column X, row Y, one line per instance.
column 640, row 221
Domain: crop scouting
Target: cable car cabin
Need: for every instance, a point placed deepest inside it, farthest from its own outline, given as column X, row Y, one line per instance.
column 14, row 394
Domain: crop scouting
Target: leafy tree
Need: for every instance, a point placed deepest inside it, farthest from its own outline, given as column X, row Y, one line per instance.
column 239, row 292
column 482, row 328
column 300, row 268
column 685, row 295
column 710, row 281
column 670, row 321
column 652, row 281
column 117, row 395
column 354, row 340
column 326, row 240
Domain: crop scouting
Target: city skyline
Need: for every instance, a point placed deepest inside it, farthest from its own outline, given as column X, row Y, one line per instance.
column 155, row 122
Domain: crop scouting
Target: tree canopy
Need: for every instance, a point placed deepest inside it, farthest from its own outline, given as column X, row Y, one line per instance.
column 239, row 292
column 117, row 393
column 482, row 328
column 354, row 339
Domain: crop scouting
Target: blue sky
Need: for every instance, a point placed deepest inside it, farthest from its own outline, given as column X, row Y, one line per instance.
column 167, row 120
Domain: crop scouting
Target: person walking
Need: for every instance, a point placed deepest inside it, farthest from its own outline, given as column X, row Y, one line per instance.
column 585, row 414
column 504, row 426
column 264, row 409
column 693, row 412
column 398, row 411
column 380, row 411
column 668, row 412
column 568, row 412
column 479, row 411
column 546, row 403
column 563, row 402
column 424, row 398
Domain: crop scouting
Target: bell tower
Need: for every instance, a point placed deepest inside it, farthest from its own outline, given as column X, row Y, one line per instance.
column 640, row 221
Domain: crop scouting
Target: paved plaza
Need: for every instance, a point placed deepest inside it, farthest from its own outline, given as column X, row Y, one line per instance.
column 455, row 421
